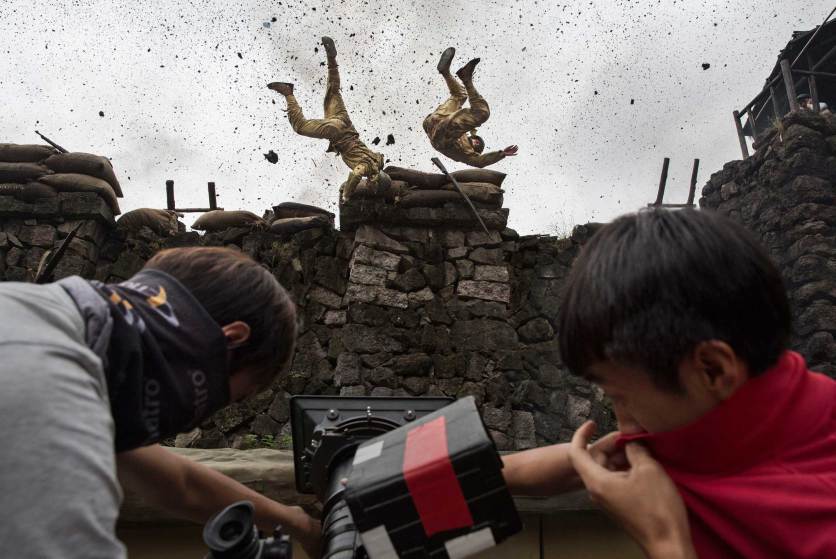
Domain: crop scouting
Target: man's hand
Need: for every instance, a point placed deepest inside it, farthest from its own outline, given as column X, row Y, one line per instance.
column 191, row 490
column 642, row 498
column 510, row 151
column 605, row 453
column 307, row 530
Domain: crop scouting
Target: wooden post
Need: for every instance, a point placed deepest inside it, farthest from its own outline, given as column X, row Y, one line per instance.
column 789, row 84
column 662, row 181
column 814, row 92
column 740, row 137
column 775, row 105
column 751, row 118
column 693, row 189
column 213, row 200
column 169, row 194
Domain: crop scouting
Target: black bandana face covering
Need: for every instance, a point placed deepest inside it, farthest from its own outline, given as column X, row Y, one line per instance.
column 166, row 361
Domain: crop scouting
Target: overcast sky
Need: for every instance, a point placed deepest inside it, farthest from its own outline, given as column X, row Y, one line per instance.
column 595, row 93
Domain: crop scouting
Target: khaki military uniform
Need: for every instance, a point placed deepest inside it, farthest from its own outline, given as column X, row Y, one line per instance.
column 448, row 125
column 337, row 128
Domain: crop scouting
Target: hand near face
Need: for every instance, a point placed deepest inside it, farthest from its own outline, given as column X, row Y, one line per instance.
column 605, row 454
column 510, row 151
column 642, row 497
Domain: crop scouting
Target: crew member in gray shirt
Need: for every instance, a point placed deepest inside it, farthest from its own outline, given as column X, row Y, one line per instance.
column 93, row 376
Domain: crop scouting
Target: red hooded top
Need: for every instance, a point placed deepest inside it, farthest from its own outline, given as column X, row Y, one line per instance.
column 758, row 472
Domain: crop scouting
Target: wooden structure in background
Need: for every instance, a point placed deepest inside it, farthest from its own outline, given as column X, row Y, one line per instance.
column 663, row 180
column 170, row 204
column 808, row 56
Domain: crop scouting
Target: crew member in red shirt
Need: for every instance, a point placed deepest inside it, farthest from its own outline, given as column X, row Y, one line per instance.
column 727, row 442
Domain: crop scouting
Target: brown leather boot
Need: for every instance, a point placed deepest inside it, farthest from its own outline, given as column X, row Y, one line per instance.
column 465, row 73
column 281, row 87
column 445, row 60
column 330, row 49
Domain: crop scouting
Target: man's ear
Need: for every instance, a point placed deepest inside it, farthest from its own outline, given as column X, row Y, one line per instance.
column 237, row 333
column 718, row 368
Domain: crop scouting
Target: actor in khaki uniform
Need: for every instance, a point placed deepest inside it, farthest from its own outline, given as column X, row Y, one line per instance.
column 336, row 127
column 449, row 125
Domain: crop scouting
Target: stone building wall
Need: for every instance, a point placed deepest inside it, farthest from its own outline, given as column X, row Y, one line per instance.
column 384, row 311
column 786, row 194
column 420, row 302
column 28, row 230
column 406, row 311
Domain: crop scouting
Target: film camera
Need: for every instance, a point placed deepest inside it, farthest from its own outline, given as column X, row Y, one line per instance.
column 401, row 477
column 397, row 477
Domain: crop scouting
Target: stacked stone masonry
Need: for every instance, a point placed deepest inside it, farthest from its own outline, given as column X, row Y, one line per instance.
column 384, row 311
column 402, row 302
column 785, row 194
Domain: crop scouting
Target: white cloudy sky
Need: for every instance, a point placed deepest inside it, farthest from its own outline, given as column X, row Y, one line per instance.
column 181, row 88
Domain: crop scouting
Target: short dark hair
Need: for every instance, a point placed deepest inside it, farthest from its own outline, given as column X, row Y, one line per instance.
column 232, row 286
column 648, row 287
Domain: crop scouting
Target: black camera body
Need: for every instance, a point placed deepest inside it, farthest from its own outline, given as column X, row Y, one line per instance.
column 401, row 477
column 326, row 432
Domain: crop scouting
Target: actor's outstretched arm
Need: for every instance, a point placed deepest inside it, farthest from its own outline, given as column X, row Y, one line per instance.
column 484, row 159
column 547, row 470
column 196, row 492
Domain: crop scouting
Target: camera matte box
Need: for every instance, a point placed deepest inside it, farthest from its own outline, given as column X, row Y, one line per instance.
column 432, row 488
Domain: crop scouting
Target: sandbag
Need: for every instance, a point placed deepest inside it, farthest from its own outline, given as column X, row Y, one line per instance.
column 479, row 175
column 483, row 192
column 219, row 220
column 11, row 189
column 396, row 190
column 34, row 191
column 73, row 182
column 292, row 225
column 429, row 198
column 161, row 222
column 22, row 172
column 85, row 164
column 287, row 210
column 25, row 153
column 415, row 178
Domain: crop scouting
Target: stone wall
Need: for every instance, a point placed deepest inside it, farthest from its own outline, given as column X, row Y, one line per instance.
column 405, row 311
column 419, row 301
column 384, row 311
column 28, row 230
column 785, row 194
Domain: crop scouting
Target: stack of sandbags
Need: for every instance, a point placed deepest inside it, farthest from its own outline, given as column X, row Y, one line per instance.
column 292, row 217
column 161, row 222
column 413, row 189
column 20, row 168
column 31, row 171
column 221, row 220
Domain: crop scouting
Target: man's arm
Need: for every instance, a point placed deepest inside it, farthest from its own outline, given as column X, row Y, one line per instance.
column 547, row 470
column 540, row 471
column 484, row 159
column 194, row 491
column 491, row 157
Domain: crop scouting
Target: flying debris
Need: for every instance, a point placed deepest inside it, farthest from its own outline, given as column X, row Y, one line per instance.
column 272, row 157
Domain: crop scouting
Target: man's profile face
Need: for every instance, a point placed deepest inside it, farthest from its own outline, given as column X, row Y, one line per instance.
column 640, row 405
column 477, row 144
